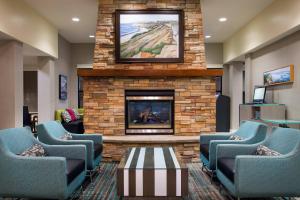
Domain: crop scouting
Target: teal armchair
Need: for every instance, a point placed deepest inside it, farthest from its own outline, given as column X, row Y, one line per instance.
column 250, row 132
column 51, row 177
column 50, row 133
column 247, row 175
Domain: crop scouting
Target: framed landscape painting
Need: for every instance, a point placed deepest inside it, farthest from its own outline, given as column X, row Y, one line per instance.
column 63, row 87
column 282, row 75
column 149, row 36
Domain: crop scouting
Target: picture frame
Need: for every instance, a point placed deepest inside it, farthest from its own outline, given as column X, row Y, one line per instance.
column 153, row 36
column 63, row 87
column 283, row 75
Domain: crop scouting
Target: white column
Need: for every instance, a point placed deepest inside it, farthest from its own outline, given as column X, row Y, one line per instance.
column 11, row 84
column 248, row 78
column 225, row 80
column 235, row 91
column 46, row 89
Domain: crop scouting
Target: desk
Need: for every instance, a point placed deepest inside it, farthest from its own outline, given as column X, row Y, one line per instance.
column 282, row 123
column 257, row 112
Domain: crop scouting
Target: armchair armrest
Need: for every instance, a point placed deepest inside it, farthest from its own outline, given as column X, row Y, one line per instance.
column 206, row 138
column 67, row 151
column 233, row 150
column 97, row 138
column 88, row 143
column 213, row 148
column 40, row 172
column 268, row 175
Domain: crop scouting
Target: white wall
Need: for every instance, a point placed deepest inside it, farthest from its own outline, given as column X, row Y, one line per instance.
column 11, row 84
column 20, row 21
column 81, row 54
column 63, row 66
column 276, row 21
column 30, row 90
column 235, row 91
column 46, row 89
column 281, row 53
column 214, row 53
column 48, row 80
column 233, row 87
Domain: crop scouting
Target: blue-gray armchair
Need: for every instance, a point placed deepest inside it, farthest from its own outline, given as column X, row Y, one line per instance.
column 55, row 176
column 250, row 132
column 52, row 131
column 247, row 175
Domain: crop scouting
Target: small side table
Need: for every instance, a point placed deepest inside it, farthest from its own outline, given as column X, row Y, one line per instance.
column 282, row 123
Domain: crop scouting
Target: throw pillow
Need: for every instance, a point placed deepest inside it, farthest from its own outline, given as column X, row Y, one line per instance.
column 66, row 136
column 265, row 151
column 66, row 116
column 77, row 115
column 235, row 137
column 72, row 114
column 36, row 150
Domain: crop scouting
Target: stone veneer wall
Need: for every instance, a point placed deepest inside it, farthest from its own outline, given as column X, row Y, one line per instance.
column 186, row 152
column 194, row 51
column 104, row 102
column 194, row 97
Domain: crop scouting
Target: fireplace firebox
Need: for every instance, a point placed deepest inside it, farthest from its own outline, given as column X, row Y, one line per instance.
column 149, row 112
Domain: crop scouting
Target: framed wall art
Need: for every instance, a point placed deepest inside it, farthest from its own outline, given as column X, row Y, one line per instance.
column 63, row 87
column 149, row 36
column 283, row 75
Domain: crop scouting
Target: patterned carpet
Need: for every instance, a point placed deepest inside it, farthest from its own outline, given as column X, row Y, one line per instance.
column 104, row 187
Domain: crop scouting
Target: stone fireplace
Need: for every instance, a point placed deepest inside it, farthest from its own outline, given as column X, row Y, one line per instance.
column 149, row 112
column 182, row 102
column 105, row 96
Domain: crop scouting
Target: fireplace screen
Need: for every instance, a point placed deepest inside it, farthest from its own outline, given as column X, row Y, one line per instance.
column 151, row 113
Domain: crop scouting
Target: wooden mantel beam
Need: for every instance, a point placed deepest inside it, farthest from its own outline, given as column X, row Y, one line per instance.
column 149, row 73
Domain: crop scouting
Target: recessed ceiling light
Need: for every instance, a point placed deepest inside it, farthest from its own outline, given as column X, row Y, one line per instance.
column 91, row 36
column 223, row 19
column 208, row 36
column 75, row 19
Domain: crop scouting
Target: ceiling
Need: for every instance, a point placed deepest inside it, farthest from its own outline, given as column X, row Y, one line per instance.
column 237, row 12
column 60, row 12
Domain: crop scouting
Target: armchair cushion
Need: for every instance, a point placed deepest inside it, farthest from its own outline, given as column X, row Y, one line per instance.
column 67, row 136
column 97, row 150
column 227, row 166
column 204, row 148
column 235, row 137
column 265, row 151
column 36, row 150
column 74, row 126
column 74, row 168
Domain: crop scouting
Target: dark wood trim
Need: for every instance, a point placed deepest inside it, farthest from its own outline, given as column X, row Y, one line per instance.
column 180, row 58
column 154, row 73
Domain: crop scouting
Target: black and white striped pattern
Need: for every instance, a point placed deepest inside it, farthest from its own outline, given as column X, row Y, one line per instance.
column 152, row 172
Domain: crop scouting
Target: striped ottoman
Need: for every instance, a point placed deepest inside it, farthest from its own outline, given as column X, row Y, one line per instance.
column 151, row 172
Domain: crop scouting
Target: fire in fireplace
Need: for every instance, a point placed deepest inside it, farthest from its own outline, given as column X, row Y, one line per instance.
column 149, row 112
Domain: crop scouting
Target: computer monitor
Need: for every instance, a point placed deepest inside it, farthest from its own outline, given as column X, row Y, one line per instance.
column 259, row 94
